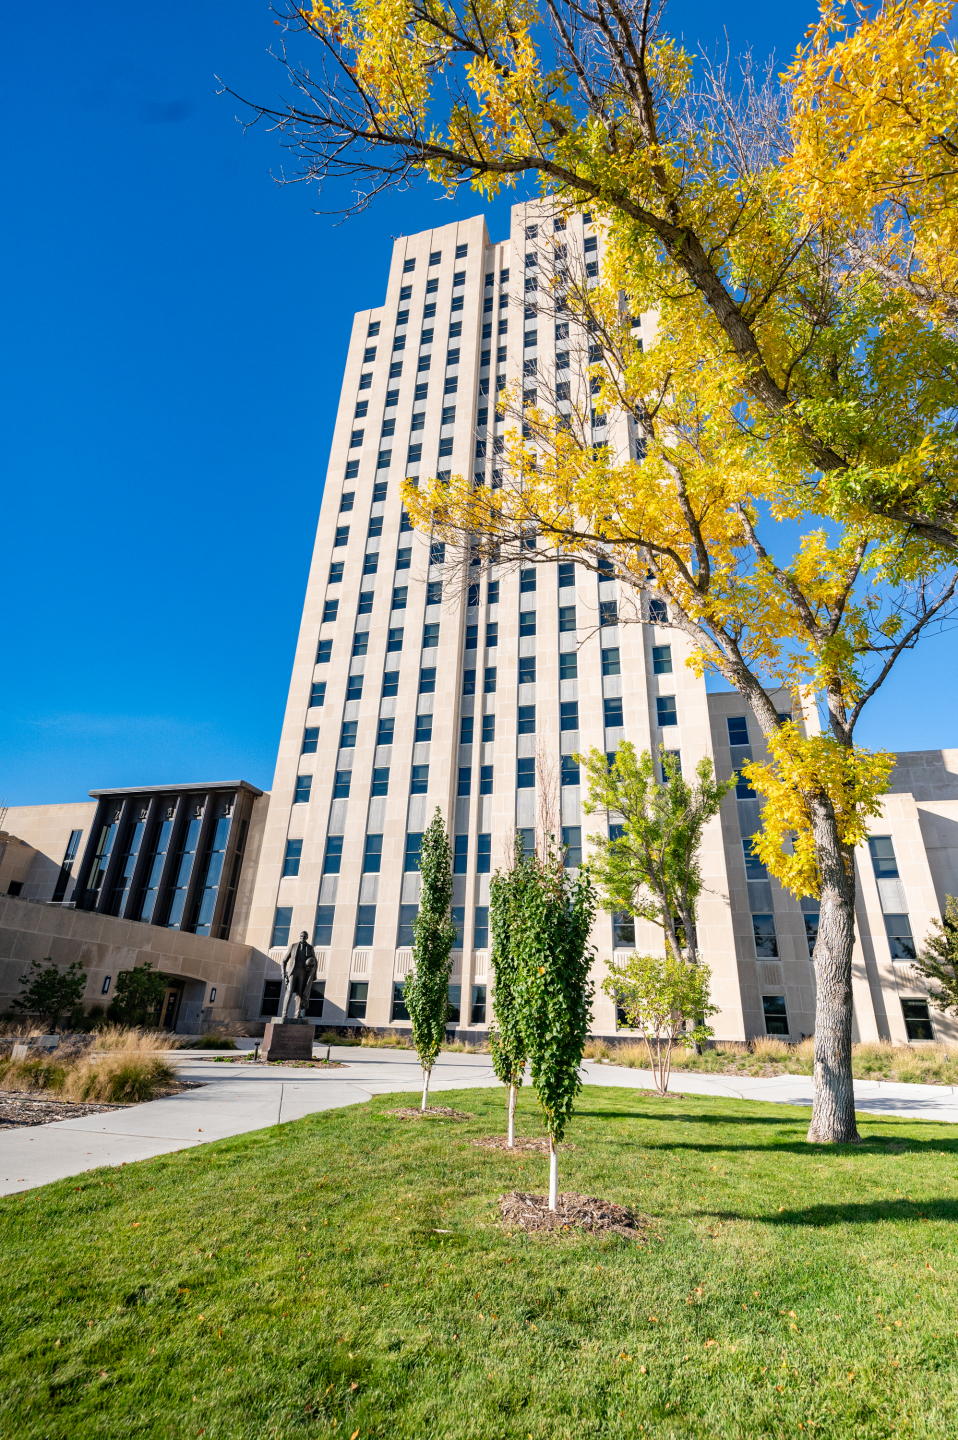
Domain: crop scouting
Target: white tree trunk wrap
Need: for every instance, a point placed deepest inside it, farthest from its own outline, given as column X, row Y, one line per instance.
column 425, row 1088
column 553, row 1175
column 512, row 1118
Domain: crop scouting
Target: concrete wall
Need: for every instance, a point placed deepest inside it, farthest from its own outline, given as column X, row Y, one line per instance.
column 47, row 829
column 104, row 946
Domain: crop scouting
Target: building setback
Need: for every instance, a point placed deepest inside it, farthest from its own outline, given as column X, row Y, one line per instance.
column 413, row 688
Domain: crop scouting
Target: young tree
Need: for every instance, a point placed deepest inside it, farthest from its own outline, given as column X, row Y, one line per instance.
column 652, row 869
column 661, row 996
column 552, row 986
column 48, row 991
column 938, row 961
column 426, row 991
column 506, row 1039
column 138, row 996
column 788, row 379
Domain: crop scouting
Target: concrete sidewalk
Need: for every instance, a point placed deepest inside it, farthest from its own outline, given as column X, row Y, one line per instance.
column 236, row 1098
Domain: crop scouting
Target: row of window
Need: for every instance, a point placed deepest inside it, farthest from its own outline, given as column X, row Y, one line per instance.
column 365, row 925
column 358, row 999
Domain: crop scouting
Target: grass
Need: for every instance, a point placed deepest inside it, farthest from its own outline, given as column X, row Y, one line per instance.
column 126, row 1067
column 346, row 1275
column 930, row 1064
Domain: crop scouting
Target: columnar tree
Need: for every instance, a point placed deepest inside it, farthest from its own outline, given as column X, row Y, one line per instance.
column 803, row 367
column 507, row 1043
column 652, row 869
column 938, row 962
column 138, row 996
column 553, row 989
column 660, row 996
column 426, row 992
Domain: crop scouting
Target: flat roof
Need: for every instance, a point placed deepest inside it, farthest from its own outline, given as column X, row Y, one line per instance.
column 169, row 789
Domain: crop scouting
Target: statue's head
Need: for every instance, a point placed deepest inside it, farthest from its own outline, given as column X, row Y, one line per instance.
column 304, row 935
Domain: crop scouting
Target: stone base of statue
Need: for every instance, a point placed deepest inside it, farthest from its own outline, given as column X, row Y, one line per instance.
column 288, row 1040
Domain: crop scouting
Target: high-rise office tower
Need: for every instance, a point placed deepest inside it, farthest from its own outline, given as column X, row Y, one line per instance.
column 413, row 688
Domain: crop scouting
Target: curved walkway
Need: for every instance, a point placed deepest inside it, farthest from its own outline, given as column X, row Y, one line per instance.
column 237, row 1098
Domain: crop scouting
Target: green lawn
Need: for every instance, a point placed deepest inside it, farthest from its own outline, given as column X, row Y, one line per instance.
column 347, row 1274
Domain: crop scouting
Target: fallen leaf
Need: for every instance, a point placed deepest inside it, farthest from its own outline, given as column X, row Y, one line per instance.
column 354, row 1385
column 708, row 1343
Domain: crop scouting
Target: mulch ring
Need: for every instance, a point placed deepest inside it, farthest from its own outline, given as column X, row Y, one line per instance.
column 574, row 1212
column 18, row 1109
column 431, row 1112
column 499, row 1142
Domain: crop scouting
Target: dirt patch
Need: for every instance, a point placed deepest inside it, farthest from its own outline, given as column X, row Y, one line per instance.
column 18, row 1110
column 431, row 1112
column 538, row 1145
column 574, row 1212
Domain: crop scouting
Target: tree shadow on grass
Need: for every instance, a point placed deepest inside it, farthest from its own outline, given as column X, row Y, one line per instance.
column 916, row 1212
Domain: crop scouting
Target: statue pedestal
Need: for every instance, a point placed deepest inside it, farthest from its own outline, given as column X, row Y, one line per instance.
column 288, row 1041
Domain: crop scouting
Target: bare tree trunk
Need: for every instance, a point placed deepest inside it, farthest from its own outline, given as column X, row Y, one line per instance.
column 511, row 1142
column 425, row 1088
column 553, row 1174
column 833, row 1108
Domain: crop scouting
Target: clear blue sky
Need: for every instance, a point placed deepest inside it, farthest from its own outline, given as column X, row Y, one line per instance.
column 174, row 334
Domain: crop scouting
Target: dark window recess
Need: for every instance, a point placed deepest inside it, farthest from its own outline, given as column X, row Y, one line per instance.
column 662, row 659
column 365, row 381
column 348, row 734
column 323, row 928
column 492, row 634
column 370, row 563
column 380, row 785
column 445, row 447
column 272, row 991
column 342, row 536
column 360, row 642
column 776, row 1014
column 372, row 854
column 623, row 930
column 330, row 611
column 488, row 729
column 375, row 527
column 570, row 770
column 333, row 858
column 569, row 715
column 477, row 1012
column 354, row 687
column 408, row 267
column 413, row 845
column 365, row 928
column 282, row 920
column 658, row 613
column 403, row 558
column 437, row 554
column 384, row 735
column 423, row 728
column 480, row 928
column 466, row 727
column 317, row 694
column 485, row 780
column 572, row 841
column 568, row 666
column 566, row 618
column 419, row 780
column 398, row 1011
column 673, row 756
column 527, row 669
column 468, row 682
column 400, row 597
column 404, row 936
column 737, row 730
column 472, row 637
column 766, row 940
column 394, row 641
column 527, row 720
column 453, row 1004
column 612, row 712
column 811, row 929
column 427, row 680
column 358, row 989
column 465, row 785
column 310, row 739
column 526, row 773
column 489, row 680
column 303, row 785
column 461, row 860
column 346, row 503
column 492, row 592
column 483, row 854
column 317, row 995
column 341, row 784
column 294, row 852
column 430, row 636
column 882, row 852
column 665, row 712
column 917, row 1020
column 900, row 940
column 610, row 661
column 336, row 572
column 390, row 683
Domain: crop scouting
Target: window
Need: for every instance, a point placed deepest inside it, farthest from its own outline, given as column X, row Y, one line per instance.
column 400, row 596
column 323, row 929
column 466, row 729
column 336, row 572
column 271, row 993
column 399, row 1011
column 404, row 558
column 658, row 614
column 568, row 666
column 882, row 852
column 365, row 381
column 373, row 854
column 341, row 784
column 489, row 680
column 303, row 785
column 330, row 611
column 360, row 642
column 531, row 233
column 461, row 860
column 612, row 712
column 383, row 462
column 355, row 440
column 754, row 867
column 423, row 729
column 419, row 783
column 366, row 598
column 526, row 773
column 572, row 840
column 380, row 785
column 477, row 1013
column 480, row 928
column 384, row 735
column 675, row 756
column 811, row 929
column 407, row 269
column 615, row 831
column 623, row 930
column 566, row 618
column 413, row 845
column 333, row 857
column 317, row 694
column 370, row 564
column 317, row 995
column 569, row 715
column 492, row 592
column 465, row 781
column 424, row 362
column 737, row 730
column 430, row 636
column 662, row 659
column 310, row 740
column 917, row 1020
column 345, row 503
column 472, row 637
column 342, row 536
column 437, row 553
column 390, row 683
column 468, row 682
column 282, row 920
column 527, row 669
column 395, row 370
column 766, row 940
column 427, row 680
column 359, row 989
column 665, row 712
column 445, row 447
column 434, row 258
column 485, row 780
column 455, row 998
column 570, row 770
column 483, row 854
column 900, row 940
column 488, row 729
column 610, row 661
column 369, row 355
column 394, row 641
column 776, row 1015
column 407, row 914
column 294, row 851
column 492, row 634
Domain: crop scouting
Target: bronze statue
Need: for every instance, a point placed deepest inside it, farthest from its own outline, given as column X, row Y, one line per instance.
column 299, row 972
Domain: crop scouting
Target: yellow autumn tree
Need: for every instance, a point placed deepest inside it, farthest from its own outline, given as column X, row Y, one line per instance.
column 792, row 386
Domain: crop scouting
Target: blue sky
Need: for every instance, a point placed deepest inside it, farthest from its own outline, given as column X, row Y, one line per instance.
column 174, row 333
